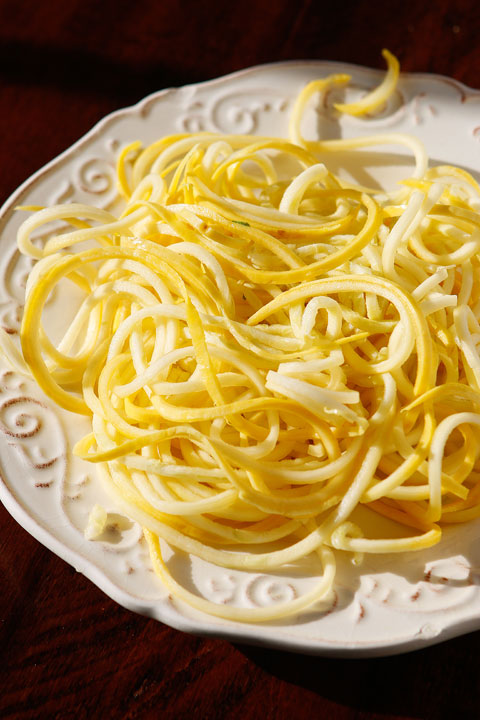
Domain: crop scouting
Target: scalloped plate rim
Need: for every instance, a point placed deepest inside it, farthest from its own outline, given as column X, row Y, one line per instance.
column 158, row 94
column 234, row 632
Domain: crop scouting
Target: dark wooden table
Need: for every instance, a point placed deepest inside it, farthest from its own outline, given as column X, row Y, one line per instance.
column 67, row 650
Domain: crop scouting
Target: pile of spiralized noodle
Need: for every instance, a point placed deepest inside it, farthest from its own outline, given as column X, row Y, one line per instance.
column 262, row 355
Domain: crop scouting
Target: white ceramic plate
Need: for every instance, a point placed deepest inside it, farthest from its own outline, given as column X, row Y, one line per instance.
column 390, row 604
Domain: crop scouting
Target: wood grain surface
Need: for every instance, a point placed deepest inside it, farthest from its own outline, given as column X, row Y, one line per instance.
column 67, row 650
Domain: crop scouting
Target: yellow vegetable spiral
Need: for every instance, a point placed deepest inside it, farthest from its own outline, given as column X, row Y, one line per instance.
column 271, row 359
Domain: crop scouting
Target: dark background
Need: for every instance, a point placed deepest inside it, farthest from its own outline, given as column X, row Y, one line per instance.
column 66, row 650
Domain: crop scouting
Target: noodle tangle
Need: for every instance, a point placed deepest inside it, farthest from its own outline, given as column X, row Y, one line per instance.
column 271, row 362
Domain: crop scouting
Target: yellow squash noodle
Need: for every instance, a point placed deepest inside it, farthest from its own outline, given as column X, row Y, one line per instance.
column 276, row 364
